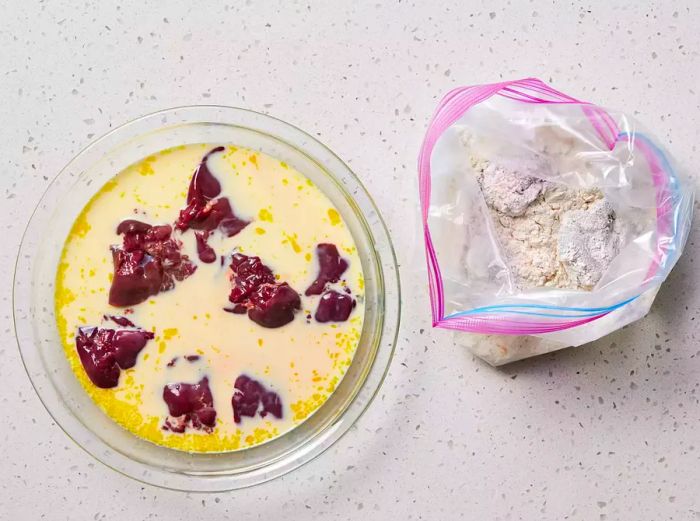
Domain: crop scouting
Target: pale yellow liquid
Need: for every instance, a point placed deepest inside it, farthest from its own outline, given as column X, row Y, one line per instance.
column 302, row 361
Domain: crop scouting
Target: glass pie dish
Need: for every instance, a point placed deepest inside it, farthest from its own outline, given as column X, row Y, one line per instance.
column 35, row 320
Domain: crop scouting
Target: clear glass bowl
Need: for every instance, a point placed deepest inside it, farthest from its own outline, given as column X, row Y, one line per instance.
column 40, row 346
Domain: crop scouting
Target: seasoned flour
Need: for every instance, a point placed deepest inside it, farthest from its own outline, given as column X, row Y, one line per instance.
column 551, row 235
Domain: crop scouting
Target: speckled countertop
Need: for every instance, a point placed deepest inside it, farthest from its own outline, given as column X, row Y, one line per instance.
column 606, row 431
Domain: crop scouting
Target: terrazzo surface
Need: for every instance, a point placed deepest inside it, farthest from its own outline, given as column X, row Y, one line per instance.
column 605, row 431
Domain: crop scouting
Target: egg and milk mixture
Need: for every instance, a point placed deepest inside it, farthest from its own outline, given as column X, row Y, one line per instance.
column 193, row 336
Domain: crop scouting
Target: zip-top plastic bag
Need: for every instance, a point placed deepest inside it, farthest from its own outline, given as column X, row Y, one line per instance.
column 548, row 221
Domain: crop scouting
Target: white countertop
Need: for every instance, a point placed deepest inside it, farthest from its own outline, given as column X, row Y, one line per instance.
column 606, row 431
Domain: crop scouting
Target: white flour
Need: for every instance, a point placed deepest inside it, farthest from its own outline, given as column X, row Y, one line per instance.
column 551, row 235
column 588, row 241
column 508, row 193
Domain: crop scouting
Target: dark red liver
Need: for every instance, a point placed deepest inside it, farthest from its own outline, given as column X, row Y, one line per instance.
column 104, row 352
column 250, row 397
column 148, row 262
column 331, row 267
column 189, row 405
column 256, row 291
column 204, row 211
column 334, row 307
